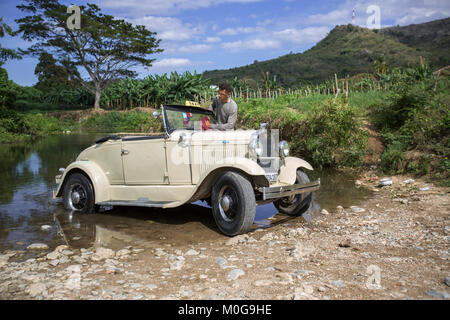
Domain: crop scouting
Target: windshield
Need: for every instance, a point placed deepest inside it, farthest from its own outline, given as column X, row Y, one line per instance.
column 187, row 118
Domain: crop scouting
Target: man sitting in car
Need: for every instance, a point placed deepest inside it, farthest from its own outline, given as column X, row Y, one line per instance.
column 224, row 108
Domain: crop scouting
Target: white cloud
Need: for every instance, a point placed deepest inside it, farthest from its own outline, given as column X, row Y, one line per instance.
column 167, row 28
column 253, row 44
column 302, row 36
column 213, row 39
column 172, row 63
column 402, row 12
column 195, row 48
column 240, row 30
column 164, row 6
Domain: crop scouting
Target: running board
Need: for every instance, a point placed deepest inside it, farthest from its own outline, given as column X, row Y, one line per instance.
column 148, row 204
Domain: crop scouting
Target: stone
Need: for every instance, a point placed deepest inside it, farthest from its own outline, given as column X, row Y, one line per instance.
column 186, row 293
column 37, row 289
column 38, row 246
column 345, row 243
column 447, row 281
column 53, row 255
column 3, row 259
column 73, row 282
column 61, row 248
column 263, row 283
column 338, row 283
column 177, row 265
column 438, row 294
column 339, row 209
column 237, row 239
column 235, row 274
column 299, row 232
column 267, row 237
column 447, row 230
column 123, row 253
column 324, row 212
column 285, row 278
column 151, row 286
column 221, row 261
column 75, row 268
column 357, row 209
column 103, row 254
column 300, row 251
column 191, row 252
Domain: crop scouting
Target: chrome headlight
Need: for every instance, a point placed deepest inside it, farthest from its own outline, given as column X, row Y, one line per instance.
column 284, row 148
column 255, row 147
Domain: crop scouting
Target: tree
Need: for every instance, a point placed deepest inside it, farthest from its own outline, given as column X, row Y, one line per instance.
column 107, row 48
column 50, row 74
column 380, row 65
column 5, row 53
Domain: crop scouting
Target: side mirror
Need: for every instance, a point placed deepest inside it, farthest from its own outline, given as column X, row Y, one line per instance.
column 156, row 114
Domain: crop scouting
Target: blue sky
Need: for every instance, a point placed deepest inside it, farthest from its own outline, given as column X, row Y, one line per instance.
column 220, row 34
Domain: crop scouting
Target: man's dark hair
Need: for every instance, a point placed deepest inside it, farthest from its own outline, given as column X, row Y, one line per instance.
column 225, row 86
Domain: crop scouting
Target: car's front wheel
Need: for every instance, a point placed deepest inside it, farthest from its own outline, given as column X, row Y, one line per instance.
column 79, row 194
column 297, row 204
column 233, row 203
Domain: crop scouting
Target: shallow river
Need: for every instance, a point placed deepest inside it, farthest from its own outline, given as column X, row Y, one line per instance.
column 28, row 177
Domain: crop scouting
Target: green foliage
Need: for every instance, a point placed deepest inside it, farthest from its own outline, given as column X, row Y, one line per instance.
column 333, row 135
column 115, row 121
column 155, row 90
column 393, row 157
column 5, row 53
column 16, row 126
column 326, row 132
column 415, row 116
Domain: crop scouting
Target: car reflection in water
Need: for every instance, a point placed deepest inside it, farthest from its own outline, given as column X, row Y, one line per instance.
column 151, row 227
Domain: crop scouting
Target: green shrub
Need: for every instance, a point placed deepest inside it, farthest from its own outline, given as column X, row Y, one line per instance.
column 115, row 121
column 332, row 136
column 392, row 159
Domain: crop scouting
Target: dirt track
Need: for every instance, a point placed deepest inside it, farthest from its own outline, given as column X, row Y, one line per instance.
column 395, row 245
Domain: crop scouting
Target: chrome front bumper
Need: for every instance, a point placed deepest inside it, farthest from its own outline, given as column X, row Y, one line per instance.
column 286, row 191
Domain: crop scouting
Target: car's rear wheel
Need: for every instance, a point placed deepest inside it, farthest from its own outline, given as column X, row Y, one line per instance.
column 297, row 204
column 233, row 203
column 78, row 194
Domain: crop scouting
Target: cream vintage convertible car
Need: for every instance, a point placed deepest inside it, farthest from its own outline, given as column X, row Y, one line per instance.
column 232, row 170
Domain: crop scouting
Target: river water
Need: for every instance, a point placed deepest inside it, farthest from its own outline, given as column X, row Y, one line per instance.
column 28, row 177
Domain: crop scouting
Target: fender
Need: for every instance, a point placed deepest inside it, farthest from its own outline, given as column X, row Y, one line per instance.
column 288, row 171
column 96, row 175
column 207, row 178
column 250, row 167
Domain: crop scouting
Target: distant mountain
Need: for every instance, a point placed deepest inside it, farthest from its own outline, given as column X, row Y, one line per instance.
column 349, row 50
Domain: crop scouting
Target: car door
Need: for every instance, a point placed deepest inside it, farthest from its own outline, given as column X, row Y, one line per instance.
column 144, row 160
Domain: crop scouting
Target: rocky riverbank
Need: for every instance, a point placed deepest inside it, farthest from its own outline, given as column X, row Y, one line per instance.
column 395, row 245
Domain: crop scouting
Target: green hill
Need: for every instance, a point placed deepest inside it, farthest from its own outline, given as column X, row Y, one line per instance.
column 349, row 50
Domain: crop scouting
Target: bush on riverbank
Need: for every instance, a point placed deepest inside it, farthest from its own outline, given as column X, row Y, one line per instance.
column 414, row 121
column 114, row 121
column 16, row 127
column 325, row 131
